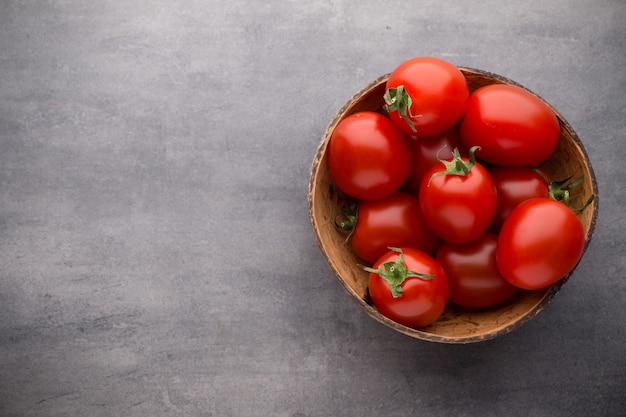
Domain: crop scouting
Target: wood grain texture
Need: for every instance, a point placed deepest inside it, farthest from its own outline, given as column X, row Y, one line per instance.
column 456, row 325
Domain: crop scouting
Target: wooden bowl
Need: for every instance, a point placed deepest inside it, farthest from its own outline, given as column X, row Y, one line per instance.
column 456, row 325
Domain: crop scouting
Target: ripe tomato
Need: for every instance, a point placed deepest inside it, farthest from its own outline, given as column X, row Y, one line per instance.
column 540, row 242
column 473, row 274
column 426, row 95
column 368, row 156
column 514, row 185
column 426, row 152
column 409, row 287
column 458, row 199
column 395, row 220
column 512, row 126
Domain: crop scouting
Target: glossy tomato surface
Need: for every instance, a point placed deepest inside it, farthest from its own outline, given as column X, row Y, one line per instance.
column 438, row 91
column 458, row 208
column 368, row 156
column 512, row 126
column 540, row 242
column 395, row 220
column 515, row 185
column 472, row 272
column 422, row 301
column 427, row 151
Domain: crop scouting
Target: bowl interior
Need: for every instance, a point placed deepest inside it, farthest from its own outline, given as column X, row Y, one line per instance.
column 456, row 325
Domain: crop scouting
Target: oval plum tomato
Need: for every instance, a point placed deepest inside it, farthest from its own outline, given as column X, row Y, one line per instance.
column 515, row 185
column 368, row 156
column 512, row 126
column 458, row 198
column 395, row 220
column 473, row 274
column 540, row 242
column 425, row 95
column 426, row 152
column 409, row 287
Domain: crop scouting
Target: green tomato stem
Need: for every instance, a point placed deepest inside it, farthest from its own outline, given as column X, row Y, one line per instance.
column 560, row 191
column 398, row 99
column 348, row 224
column 457, row 165
column 395, row 273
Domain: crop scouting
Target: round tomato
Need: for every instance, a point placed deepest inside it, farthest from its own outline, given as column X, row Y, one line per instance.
column 515, row 185
column 395, row 220
column 458, row 199
column 425, row 95
column 512, row 126
column 473, row 274
column 540, row 242
column 426, row 152
column 368, row 156
column 409, row 287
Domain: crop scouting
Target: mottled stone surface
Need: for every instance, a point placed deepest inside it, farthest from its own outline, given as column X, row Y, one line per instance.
column 156, row 257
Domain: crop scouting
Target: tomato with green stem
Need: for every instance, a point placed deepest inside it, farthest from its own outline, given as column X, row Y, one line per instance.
column 458, row 198
column 518, row 184
column 395, row 220
column 426, row 95
column 409, row 287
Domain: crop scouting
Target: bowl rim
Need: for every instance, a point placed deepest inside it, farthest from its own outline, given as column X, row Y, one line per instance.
column 420, row 334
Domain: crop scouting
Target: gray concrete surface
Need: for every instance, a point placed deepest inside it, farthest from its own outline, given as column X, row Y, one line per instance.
column 156, row 257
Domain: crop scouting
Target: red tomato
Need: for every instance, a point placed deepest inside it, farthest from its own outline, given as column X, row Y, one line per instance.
column 512, row 126
column 473, row 274
column 426, row 152
column 405, row 298
column 540, row 242
column 368, row 156
column 426, row 95
column 395, row 220
column 458, row 206
column 515, row 185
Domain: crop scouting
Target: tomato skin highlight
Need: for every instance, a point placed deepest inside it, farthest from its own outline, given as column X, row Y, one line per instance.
column 540, row 242
column 422, row 301
column 472, row 272
column 439, row 94
column 516, row 185
column 395, row 220
column 512, row 126
column 368, row 156
column 427, row 151
column 458, row 208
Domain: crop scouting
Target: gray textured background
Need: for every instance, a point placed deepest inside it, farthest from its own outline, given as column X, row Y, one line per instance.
column 156, row 257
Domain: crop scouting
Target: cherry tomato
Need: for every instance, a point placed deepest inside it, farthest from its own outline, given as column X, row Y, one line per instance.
column 473, row 274
column 512, row 126
column 514, row 185
column 540, row 242
column 426, row 152
column 426, row 95
column 395, row 220
column 368, row 156
column 409, row 287
column 458, row 206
